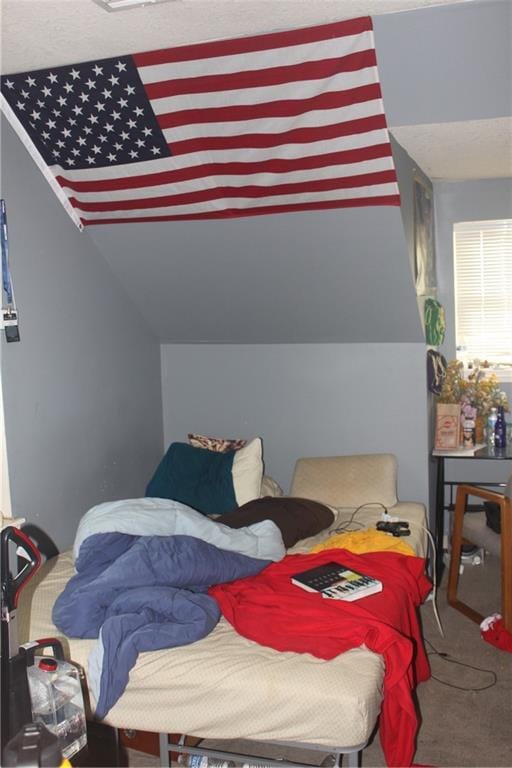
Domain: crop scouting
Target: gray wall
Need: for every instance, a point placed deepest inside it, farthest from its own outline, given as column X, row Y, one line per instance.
column 312, row 277
column 445, row 63
column 467, row 201
column 82, row 389
column 303, row 400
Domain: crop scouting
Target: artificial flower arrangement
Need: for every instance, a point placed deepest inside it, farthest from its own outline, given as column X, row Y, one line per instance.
column 477, row 393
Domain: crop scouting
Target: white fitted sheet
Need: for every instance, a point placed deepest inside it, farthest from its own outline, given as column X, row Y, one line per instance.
column 225, row 686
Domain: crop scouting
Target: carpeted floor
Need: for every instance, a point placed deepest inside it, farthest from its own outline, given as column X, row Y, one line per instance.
column 461, row 725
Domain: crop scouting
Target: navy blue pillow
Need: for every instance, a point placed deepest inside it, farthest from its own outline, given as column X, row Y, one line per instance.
column 199, row 478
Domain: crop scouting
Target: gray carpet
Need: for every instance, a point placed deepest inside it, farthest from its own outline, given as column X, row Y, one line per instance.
column 459, row 727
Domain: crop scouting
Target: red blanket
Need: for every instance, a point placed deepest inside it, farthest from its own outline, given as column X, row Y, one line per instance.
column 269, row 609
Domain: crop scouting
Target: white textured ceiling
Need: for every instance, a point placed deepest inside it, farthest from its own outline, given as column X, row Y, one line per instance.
column 43, row 33
column 475, row 149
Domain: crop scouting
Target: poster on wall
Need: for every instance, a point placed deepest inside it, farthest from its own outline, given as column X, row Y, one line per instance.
column 424, row 252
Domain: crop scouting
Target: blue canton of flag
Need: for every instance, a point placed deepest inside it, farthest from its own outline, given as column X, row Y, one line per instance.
column 87, row 115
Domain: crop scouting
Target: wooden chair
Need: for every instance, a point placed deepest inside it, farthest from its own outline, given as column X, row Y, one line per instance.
column 504, row 502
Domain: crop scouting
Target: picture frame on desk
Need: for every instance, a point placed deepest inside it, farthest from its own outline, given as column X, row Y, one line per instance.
column 447, row 430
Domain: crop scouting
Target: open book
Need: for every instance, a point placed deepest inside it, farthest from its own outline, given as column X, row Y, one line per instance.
column 336, row 581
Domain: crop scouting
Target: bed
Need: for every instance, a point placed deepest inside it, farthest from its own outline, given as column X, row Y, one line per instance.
column 225, row 686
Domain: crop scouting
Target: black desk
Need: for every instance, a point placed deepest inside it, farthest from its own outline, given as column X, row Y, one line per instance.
column 486, row 453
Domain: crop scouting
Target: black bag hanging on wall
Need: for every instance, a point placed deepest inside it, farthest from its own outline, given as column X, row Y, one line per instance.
column 436, row 371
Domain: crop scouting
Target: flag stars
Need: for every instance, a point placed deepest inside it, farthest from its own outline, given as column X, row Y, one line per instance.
column 87, row 115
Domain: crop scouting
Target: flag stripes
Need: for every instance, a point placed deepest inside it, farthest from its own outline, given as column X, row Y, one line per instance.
column 230, row 213
column 213, row 171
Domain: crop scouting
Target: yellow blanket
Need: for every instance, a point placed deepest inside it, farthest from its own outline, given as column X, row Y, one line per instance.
column 360, row 542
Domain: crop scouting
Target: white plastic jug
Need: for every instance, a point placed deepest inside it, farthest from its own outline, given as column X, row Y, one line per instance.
column 57, row 701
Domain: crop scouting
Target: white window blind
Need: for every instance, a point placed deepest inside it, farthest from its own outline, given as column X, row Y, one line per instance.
column 483, row 290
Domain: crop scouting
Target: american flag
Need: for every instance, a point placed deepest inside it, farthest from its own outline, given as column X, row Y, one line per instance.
column 286, row 121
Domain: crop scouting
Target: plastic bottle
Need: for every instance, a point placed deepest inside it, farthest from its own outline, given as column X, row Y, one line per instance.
column 500, row 429
column 57, row 701
column 491, row 423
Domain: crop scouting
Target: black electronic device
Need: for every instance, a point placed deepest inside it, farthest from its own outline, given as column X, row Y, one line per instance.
column 399, row 528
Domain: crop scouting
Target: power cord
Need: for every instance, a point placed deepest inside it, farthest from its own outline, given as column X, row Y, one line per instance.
column 446, row 657
column 344, row 524
column 344, row 528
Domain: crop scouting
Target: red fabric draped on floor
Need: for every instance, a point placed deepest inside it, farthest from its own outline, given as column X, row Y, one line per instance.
column 269, row 609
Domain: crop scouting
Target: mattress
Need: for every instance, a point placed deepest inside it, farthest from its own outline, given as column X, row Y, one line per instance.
column 225, row 686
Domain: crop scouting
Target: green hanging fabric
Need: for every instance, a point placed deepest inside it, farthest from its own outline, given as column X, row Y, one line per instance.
column 435, row 324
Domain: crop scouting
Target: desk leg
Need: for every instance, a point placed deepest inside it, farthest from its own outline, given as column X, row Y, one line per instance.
column 439, row 532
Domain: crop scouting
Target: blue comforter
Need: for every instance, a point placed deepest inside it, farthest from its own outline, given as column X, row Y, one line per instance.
column 142, row 593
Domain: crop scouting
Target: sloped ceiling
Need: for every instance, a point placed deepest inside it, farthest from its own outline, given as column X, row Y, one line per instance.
column 318, row 277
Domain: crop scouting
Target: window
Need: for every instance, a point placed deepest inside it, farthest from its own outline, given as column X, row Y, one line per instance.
column 483, row 292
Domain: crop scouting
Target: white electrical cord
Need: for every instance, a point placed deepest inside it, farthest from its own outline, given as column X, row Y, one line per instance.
column 343, row 528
